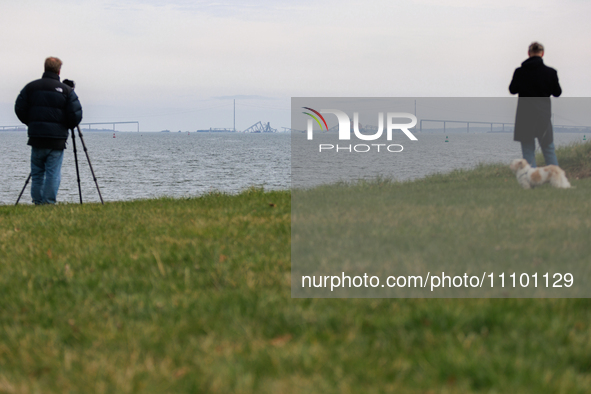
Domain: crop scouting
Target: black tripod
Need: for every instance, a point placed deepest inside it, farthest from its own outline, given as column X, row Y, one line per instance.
column 77, row 170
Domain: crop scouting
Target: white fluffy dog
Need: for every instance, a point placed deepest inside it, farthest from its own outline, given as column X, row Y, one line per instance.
column 530, row 177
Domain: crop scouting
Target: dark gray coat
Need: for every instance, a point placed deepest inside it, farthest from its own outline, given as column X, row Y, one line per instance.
column 535, row 83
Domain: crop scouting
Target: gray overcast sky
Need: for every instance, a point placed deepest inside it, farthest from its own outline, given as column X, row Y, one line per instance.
column 178, row 64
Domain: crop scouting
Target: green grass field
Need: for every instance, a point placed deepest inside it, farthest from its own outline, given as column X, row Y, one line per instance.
column 193, row 295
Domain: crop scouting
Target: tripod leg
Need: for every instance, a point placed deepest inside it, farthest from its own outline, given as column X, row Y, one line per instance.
column 22, row 191
column 90, row 165
column 76, row 160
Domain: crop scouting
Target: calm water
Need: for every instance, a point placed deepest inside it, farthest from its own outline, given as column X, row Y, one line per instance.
column 144, row 165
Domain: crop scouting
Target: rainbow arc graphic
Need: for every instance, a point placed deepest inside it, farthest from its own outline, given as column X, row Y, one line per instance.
column 315, row 118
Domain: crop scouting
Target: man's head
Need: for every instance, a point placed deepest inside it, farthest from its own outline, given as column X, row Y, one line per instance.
column 53, row 64
column 535, row 49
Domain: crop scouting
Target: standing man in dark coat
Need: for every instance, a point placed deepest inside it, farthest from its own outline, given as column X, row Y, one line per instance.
column 535, row 83
column 49, row 108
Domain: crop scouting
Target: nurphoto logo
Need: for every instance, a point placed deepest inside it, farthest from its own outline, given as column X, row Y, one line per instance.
column 344, row 130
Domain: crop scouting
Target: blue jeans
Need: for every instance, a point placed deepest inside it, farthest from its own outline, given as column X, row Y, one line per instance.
column 528, row 148
column 46, row 168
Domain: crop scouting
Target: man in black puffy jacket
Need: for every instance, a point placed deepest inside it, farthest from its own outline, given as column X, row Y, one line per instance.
column 535, row 83
column 49, row 108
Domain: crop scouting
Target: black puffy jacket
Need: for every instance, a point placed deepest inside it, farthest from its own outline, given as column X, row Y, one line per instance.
column 48, row 107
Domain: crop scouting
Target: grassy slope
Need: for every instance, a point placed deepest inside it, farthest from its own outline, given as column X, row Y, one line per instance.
column 194, row 296
column 468, row 221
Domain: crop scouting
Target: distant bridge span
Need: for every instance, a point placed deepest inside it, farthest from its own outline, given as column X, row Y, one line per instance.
column 23, row 127
column 467, row 122
column 113, row 123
